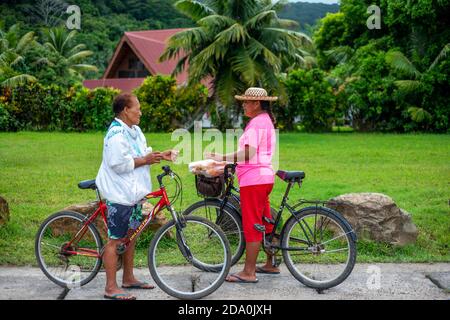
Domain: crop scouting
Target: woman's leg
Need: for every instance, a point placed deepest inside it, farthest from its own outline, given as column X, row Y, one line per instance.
column 128, row 265
column 110, row 262
column 268, row 266
column 128, row 269
column 252, row 208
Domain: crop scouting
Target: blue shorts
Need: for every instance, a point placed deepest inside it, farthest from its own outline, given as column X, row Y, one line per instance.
column 122, row 218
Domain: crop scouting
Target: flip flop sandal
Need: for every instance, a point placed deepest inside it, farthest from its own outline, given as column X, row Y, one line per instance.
column 261, row 270
column 118, row 295
column 241, row 280
column 140, row 285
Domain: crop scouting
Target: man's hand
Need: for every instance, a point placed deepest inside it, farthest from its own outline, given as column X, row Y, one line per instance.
column 170, row 155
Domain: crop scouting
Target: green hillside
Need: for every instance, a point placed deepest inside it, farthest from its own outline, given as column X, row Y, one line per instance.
column 307, row 13
column 104, row 22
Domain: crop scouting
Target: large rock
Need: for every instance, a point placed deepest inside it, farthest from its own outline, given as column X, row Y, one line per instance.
column 375, row 216
column 4, row 211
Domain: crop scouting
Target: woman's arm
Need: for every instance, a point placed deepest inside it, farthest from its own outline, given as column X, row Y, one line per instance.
column 151, row 158
column 238, row 156
column 169, row 155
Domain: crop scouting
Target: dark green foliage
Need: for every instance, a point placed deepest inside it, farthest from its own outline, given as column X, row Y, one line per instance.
column 391, row 79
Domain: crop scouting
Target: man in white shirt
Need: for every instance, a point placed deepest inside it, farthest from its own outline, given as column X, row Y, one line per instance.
column 123, row 180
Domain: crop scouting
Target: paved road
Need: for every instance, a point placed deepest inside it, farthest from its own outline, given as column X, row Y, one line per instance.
column 396, row 282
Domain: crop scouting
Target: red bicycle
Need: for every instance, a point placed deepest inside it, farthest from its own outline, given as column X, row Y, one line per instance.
column 69, row 247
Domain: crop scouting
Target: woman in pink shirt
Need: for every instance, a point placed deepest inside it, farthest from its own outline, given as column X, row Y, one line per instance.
column 256, row 178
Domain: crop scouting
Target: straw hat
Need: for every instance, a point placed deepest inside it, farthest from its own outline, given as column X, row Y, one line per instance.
column 258, row 94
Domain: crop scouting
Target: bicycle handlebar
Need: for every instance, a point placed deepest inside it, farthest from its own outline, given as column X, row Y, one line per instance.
column 231, row 167
column 167, row 171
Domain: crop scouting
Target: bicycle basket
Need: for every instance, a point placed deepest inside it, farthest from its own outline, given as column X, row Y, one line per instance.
column 210, row 187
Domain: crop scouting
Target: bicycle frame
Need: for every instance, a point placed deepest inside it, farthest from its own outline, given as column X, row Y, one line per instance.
column 234, row 195
column 102, row 209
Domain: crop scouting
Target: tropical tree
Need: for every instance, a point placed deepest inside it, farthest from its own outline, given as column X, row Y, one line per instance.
column 415, row 82
column 237, row 44
column 13, row 49
column 66, row 57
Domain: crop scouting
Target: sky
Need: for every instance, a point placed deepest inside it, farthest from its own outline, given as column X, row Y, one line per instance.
column 315, row 1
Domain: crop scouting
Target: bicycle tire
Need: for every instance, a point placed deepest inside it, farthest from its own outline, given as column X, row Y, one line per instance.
column 42, row 265
column 346, row 228
column 234, row 218
column 159, row 280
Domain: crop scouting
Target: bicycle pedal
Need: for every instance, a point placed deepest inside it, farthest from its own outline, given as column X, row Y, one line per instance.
column 276, row 263
column 121, row 248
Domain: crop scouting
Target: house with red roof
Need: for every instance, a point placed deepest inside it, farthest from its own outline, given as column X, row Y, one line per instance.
column 135, row 58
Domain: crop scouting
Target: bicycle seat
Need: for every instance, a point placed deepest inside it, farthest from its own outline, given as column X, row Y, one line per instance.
column 87, row 184
column 290, row 175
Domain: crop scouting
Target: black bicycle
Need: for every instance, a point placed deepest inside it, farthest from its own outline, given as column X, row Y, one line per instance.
column 317, row 243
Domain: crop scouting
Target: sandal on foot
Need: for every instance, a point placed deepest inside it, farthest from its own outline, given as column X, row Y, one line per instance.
column 241, row 280
column 261, row 270
column 119, row 296
column 139, row 285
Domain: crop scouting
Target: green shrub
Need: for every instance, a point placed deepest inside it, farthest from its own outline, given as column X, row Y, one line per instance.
column 311, row 98
column 6, row 121
column 166, row 107
column 38, row 107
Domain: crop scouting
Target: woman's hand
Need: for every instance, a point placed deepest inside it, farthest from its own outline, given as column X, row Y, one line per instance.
column 153, row 157
column 148, row 159
column 170, row 155
column 213, row 156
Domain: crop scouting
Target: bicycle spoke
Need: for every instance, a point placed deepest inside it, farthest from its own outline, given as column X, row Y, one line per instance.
column 335, row 250
column 340, row 236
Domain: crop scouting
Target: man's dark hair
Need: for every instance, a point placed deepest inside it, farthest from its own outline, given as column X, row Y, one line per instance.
column 121, row 101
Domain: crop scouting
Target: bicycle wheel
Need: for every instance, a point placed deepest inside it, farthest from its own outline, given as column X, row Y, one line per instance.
column 229, row 221
column 319, row 247
column 169, row 263
column 73, row 266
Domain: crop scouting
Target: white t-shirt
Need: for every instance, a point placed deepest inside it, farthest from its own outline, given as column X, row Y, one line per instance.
column 117, row 179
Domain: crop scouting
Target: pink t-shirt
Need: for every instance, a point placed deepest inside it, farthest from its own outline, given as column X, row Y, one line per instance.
column 259, row 134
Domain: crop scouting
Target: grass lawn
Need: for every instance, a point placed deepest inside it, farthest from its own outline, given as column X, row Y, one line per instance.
column 39, row 173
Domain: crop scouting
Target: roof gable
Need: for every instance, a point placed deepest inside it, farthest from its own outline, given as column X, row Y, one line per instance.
column 148, row 47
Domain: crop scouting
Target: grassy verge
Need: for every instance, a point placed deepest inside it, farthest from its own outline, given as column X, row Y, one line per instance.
column 39, row 173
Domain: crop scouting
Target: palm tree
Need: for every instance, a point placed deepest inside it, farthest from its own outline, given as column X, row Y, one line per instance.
column 415, row 82
column 66, row 56
column 12, row 55
column 236, row 43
